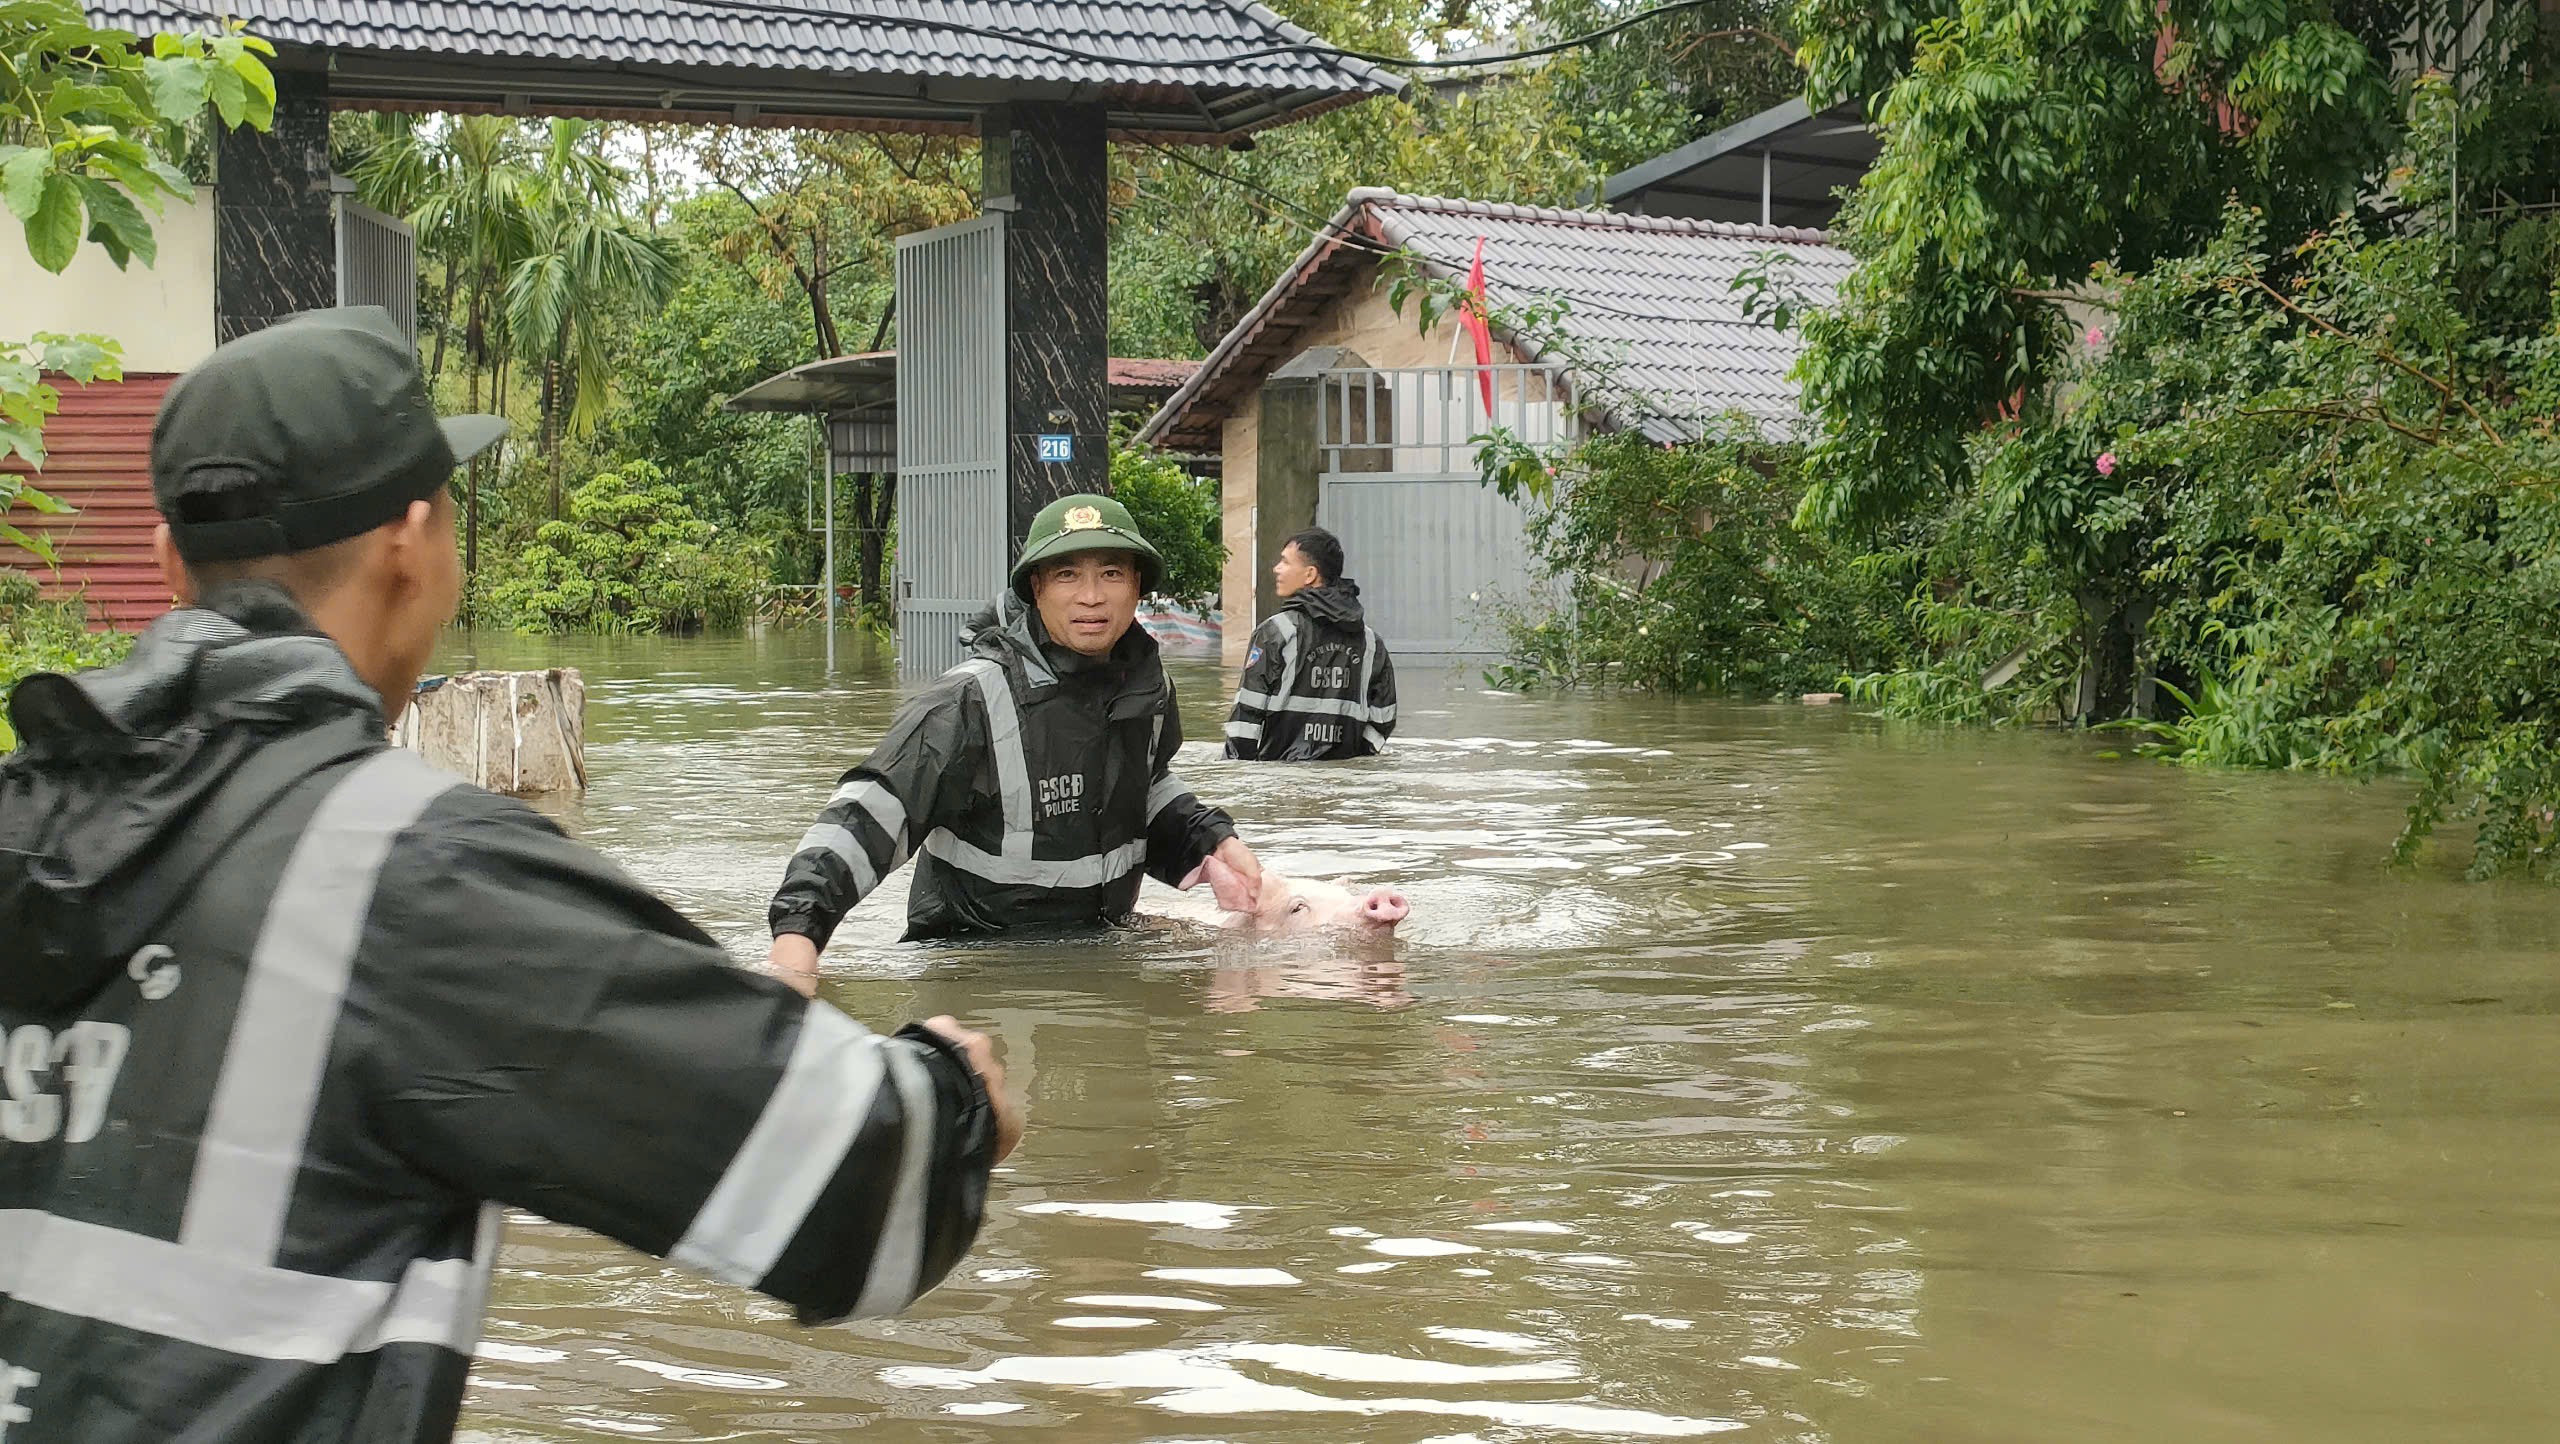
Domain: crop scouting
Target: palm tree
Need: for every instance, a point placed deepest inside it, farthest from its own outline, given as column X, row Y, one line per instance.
column 586, row 261
column 469, row 187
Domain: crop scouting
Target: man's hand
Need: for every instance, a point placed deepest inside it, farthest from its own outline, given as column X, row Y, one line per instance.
column 982, row 1058
column 794, row 959
column 1236, row 855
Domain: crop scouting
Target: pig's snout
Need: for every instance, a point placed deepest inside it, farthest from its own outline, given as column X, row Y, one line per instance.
column 1384, row 907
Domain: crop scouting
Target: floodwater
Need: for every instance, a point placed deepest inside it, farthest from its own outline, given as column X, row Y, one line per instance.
column 1751, row 1071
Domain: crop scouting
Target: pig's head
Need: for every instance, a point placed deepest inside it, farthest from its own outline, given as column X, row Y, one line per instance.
column 1300, row 905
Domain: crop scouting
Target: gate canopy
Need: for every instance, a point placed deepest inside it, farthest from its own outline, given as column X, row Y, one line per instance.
column 1176, row 71
column 868, row 383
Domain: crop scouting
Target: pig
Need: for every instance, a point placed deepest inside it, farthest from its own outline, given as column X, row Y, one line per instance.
column 1300, row 905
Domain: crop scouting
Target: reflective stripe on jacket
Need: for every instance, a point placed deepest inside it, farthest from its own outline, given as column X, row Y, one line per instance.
column 1318, row 684
column 269, row 1085
column 1033, row 788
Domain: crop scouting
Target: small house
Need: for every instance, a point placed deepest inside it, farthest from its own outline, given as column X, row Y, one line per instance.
column 1327, row 406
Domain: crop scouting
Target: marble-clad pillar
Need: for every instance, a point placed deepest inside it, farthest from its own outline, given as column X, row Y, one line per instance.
column 1047, row 164
column 275, row 240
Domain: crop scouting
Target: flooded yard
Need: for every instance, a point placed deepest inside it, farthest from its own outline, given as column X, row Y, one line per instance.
column 1763, row 1072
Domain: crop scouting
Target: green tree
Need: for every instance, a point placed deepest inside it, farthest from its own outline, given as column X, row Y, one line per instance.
column 1178, row 512
column 2028, row 141
column 585, row 262
column 719, row 333
column 88, row 121
column 537, row 252
column 469, row 187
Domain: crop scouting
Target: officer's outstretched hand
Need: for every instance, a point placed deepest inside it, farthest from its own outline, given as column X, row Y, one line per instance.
column 1236, row 855
column 794, row 960
column 982, row 1057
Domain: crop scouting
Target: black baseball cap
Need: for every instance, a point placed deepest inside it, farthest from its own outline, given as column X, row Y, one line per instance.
column 309, row 432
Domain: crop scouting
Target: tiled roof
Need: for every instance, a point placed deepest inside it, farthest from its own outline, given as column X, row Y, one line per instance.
column 1150, row 373
column 1651, row 295
column 1160, row 62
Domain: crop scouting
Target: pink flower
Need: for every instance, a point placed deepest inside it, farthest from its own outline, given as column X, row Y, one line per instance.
column 2094, row 336
column 2106, row 463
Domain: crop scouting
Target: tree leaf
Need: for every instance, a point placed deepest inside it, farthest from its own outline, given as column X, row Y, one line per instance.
column 82, row 358
column 117, row 223
column 26, row 442
column 53, row 233
column 39, row 547
column 230, row 95
column 22, row 180
column 179, row 88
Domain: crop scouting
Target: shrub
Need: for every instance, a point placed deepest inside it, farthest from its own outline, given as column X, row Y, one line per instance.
column 38, row 636
column 630, row 557
column 1685, row 574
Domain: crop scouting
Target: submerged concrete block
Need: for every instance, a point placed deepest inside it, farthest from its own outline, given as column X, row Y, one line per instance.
column 519, row 733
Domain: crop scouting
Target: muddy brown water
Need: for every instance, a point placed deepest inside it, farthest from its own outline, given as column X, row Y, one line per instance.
column 1752, row 1071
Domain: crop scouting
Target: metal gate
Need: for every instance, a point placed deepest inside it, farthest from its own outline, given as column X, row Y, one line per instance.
column 1441, row 558
column 951, row 451
column 378, row 263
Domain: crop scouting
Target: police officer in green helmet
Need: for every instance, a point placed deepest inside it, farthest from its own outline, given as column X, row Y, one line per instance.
column 1032, row 783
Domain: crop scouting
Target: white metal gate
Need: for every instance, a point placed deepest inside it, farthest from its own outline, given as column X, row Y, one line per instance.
column 951, row 452
column 378, row 263
column 1440, row 557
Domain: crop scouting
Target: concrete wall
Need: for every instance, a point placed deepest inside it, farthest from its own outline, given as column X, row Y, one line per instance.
column 163, row 316
column 1360, row 321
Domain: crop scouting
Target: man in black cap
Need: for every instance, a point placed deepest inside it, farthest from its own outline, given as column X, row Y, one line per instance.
column 1034, row 782
column 290, row 1013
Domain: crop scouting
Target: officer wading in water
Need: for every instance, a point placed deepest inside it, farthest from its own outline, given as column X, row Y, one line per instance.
column 1318, row 684
column 1032, row 782
column 290, row 1013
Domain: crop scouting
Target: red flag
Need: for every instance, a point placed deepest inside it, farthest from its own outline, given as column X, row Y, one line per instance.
column 1472, row 317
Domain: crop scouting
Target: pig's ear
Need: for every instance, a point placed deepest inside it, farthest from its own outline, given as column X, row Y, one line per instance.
column 1191, row 879
column 1232, row 891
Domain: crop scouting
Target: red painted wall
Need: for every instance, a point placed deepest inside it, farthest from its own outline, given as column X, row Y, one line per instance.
column 99, row 462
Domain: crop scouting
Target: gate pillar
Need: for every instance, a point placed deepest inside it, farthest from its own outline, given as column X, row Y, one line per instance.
column 1048, row 168
column 275, row 236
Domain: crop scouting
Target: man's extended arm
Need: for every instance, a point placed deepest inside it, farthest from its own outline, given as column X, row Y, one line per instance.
column 540, row 1031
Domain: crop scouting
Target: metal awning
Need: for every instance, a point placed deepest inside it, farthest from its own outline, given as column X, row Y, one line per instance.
column 1777, row 168
column 843, row 384
column 866, row 386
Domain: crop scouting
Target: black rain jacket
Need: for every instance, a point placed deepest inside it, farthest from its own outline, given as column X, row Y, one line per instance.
column 1033, row 786
column 289, row 1014
column 1318, row 683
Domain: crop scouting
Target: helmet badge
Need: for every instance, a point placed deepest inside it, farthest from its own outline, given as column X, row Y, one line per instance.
column 1083, row 518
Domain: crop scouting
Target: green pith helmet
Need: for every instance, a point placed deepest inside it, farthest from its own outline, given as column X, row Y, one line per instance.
column 1084, row 523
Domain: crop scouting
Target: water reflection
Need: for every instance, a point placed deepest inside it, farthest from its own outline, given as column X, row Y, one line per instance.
column 1739, row 1070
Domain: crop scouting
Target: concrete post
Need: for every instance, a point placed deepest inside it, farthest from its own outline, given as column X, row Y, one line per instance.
column 1288, row 470
column 275, row 234
column 1048, row 165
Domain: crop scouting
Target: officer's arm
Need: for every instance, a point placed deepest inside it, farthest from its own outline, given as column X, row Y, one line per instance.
column 1181, row 829
column 539, row 1031
column 1254, row 694
column 877, row 818
column 1382, row 697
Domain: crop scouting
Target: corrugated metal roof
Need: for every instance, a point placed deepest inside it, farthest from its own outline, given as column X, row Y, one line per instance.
column 1650, row 296
column 99, row 462
column 1197, row 67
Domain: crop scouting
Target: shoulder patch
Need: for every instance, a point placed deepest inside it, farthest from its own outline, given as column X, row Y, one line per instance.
column 1253, row 658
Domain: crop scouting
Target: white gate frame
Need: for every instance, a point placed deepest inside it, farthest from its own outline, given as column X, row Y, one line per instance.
column 1361, row 415
column 952, row 487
